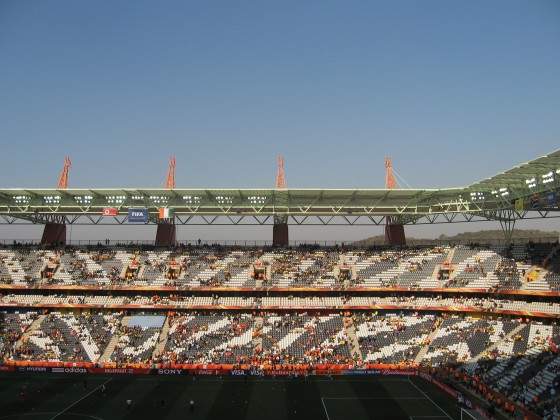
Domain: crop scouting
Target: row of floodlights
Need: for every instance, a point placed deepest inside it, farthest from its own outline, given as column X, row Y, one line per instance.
column 501, row 192
column 479, row 196
column 530, row 182
column 545, row 179
column 119, row 199
column 22, row 199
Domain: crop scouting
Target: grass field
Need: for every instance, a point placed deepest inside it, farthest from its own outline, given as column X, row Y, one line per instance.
column 342, row 398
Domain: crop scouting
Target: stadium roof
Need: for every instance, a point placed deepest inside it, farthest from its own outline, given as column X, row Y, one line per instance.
column 519, row 175
column 531, row 187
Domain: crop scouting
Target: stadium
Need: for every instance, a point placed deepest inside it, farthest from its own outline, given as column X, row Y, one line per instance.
column 283, row 330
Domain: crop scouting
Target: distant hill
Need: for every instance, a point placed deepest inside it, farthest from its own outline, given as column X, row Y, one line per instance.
column 490, row 235
column 482, row 236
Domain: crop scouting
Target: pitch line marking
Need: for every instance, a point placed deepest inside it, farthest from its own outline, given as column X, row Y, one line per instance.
column 85, row 396
column 442, row 410
column 325, row 408
column 41, row 414
column 374, row 398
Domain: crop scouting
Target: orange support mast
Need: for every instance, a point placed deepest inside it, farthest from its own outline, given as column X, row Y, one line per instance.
column 390, row 183
column 63, row 181
column 170, row 183
column 280, row 181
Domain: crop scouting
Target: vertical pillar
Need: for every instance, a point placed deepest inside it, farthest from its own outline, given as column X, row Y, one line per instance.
column 54, row 234
column 507, row 222
column 280, row 234
column 166, row 234
column 394, row 232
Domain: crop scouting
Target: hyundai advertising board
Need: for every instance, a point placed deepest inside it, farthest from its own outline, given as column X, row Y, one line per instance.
column 138, row 215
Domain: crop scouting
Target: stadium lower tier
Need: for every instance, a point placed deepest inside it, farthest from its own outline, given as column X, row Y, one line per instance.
column 513, row 357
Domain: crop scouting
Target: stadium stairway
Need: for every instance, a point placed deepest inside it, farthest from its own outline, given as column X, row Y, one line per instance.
column 435, row 282
column 422, row 353
column 257, row 340
column 540, row 284
column 31, row 328
column 353, row 343
column 336, row 267
column 113, row 342
column 38, row 274
column 354, row 271
column 497, row 343
column 450, row 255
column 336, row 271
column 440, row 282
column 163, row 337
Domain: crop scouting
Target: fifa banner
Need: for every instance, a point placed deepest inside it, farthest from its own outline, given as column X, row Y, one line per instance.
column 551, row 199
column 138, row 215
column 109, row 212
column 165, row 213
column 519, row 205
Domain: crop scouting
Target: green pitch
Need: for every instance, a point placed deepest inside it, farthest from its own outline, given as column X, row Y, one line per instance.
column 342, row 398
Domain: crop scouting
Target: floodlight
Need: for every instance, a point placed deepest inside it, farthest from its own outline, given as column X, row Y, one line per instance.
column 549, row 177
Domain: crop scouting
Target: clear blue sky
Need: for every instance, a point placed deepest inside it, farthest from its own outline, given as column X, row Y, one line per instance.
column 453, row 91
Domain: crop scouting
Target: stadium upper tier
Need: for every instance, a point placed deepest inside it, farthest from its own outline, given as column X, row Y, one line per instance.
column 521, row 190
column 531, row 269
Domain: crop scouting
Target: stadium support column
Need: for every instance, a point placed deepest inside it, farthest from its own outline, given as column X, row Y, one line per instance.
column 394, row 232
column 166, row 234
column 280, row 231
column 507, row 222
column 54, row 232
column 394, row 229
